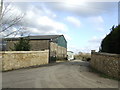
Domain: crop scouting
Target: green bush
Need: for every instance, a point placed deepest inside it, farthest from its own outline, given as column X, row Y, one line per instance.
column 22, row 45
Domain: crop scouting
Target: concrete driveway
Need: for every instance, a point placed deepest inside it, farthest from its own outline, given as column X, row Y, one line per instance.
column 74, row 74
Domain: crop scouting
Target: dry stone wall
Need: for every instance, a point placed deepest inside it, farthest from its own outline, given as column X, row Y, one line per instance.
column 106, row 63
column 21, row 59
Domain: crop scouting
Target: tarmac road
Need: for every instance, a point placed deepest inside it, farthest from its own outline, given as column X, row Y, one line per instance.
column 73, row 74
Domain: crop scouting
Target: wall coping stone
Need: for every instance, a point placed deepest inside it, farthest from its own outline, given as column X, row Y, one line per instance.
column 17, row 52
column 106, row 54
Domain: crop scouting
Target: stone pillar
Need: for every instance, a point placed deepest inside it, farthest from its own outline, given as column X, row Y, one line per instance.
column 92, row 58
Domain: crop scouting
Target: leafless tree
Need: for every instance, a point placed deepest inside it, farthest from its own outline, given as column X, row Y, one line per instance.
column 10, row 20
column 1, row 6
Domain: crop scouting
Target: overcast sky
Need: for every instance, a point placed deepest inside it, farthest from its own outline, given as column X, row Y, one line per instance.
column 84, row 24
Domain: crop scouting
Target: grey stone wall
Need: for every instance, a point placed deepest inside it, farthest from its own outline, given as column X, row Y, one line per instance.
column 106, row 63
column 20, row 59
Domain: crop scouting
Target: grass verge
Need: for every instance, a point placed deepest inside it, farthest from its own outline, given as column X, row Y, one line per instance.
column 101, row 74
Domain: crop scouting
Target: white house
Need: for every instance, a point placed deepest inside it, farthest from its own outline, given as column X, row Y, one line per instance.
column 70, row 55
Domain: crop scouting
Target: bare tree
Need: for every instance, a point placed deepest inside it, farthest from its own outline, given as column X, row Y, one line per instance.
column 1, row 6
column 10, row 23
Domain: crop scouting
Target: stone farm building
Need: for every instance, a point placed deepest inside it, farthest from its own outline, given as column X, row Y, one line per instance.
column 56, row 44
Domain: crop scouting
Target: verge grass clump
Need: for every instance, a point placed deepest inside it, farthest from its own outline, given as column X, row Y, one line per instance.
column 101, row 74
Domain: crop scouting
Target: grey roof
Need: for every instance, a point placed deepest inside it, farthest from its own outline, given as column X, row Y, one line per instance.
column 44, row 37
column 40, row 37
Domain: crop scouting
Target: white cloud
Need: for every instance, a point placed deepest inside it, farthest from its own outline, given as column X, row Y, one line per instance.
column 52, row 24
column 73, row 21
column 41, row 19
column 96, row 20
column 84, row 9
column 95, row 40
column 42, row 22
column 38, row 20
column 49, row 12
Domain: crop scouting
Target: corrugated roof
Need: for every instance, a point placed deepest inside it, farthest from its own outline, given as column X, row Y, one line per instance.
column 40, row 37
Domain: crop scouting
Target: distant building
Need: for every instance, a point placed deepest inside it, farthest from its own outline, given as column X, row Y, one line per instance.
column 56, row 44
column 70, row 55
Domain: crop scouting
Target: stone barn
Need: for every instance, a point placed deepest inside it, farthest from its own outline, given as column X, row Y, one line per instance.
column 56, row 44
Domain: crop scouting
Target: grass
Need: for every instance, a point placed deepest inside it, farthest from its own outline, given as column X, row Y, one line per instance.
column 101, row 74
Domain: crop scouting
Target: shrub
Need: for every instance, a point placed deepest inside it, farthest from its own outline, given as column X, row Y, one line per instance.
column 22, row 45
column 111, row 43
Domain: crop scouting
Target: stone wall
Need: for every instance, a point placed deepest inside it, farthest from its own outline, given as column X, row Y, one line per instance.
column 106, row 63
column 21, row 59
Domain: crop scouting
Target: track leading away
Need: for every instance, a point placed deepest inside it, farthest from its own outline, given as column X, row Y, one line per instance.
column 74, row 74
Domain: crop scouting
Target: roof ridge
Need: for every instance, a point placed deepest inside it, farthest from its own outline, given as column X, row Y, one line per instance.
column 46, row 35
column 42, row 37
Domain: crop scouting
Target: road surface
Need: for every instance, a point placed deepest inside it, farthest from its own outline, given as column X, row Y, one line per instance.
column 73, row 74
